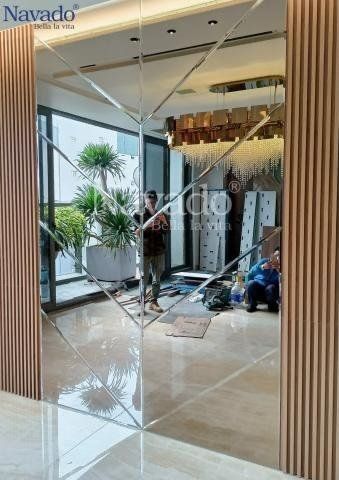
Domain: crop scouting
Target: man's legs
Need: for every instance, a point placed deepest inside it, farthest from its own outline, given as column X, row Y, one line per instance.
column 147, row 265
column 255, row 292
column 272, row 296
column 157, row 269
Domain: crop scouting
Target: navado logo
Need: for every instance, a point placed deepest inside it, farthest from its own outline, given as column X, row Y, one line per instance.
column 15, row 13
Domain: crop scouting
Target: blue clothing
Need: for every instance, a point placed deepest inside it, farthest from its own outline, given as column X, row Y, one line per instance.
column 263, row 277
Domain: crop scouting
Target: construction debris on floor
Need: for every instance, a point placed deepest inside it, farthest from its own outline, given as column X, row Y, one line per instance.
column 189, row 327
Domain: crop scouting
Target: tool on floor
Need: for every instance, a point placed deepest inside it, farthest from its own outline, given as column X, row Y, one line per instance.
column 217, row 296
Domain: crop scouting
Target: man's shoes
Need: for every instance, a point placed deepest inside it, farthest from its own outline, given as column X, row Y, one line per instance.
column 155, row 307
column 251, row 309
column 273, row 308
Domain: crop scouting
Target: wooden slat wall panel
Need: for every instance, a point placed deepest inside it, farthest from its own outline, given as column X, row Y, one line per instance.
column 310, row 242
column 19, row 255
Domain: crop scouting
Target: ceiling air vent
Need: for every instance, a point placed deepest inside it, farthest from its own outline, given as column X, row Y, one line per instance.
column 186, row 91
column 83, row 67
column 248, row 84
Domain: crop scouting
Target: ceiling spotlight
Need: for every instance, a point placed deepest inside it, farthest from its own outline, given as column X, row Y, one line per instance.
column 171, row 31
column 212, row 22
column 134, row 39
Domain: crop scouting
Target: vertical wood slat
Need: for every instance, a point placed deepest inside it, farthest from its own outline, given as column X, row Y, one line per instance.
column 309, row 385
column 20, row 370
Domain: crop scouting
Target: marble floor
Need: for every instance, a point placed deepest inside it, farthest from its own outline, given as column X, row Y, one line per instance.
column 79, row 288
column 91, row 362
column 220, row 393
column 41, row 441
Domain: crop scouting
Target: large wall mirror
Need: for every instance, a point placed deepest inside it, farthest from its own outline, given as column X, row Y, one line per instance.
column 161, row 153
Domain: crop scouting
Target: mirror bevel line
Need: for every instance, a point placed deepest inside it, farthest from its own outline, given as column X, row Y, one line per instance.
column 113, row 101
column 203, row 59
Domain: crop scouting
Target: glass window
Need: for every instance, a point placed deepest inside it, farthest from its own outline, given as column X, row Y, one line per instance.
column 71, row 135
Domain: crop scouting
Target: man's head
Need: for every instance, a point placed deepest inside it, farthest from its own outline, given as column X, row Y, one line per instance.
column 151, row 199
column 275, row 257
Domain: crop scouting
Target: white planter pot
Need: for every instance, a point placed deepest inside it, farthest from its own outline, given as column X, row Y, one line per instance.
column 111, row 266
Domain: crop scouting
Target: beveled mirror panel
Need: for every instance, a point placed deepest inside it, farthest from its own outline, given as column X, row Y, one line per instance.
column 89, row 160
column 213, row 86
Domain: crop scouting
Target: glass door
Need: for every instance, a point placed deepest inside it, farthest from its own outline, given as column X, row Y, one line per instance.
column 166, row 173
column 45, row 172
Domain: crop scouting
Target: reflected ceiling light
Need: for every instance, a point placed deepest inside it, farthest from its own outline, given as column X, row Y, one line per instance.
column 212, row 22
column 134, row 39
column 171, row 31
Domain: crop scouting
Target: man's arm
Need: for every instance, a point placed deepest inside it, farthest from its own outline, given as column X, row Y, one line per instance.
column 257, row 268
column 165, row 224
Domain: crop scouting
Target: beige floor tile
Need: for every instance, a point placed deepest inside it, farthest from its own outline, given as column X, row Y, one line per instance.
column 39, row 441
column 112, row 353
column 35, row 435
column 212, row 392
column 239, row 417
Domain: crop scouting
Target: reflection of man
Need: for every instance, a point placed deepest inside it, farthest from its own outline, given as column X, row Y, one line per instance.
column 263, row 284
column 154, row 247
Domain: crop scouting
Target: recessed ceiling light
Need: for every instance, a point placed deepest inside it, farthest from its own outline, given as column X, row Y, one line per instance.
column 212, row 22
column 171, row 31
column 134, row 39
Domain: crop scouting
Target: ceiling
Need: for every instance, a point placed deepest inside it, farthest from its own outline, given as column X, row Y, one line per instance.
column 167, row 59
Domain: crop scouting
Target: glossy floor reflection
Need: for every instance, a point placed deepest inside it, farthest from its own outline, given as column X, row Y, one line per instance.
column 220, row 392
column 40, row 441
column 94, row 364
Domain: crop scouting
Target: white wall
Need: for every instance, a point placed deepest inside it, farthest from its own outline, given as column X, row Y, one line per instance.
column 66, row 101
column 58, row 98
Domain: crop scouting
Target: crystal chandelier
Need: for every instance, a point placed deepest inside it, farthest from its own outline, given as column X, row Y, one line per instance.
column 251, row 158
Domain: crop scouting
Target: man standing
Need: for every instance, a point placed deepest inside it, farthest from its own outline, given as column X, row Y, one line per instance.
column 263, row 284
column 154, row 246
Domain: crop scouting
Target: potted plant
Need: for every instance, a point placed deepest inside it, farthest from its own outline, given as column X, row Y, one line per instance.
column 113, row 257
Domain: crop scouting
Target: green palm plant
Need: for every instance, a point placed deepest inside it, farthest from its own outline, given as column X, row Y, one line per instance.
column 125, row 197
column 100, row 159
column 89, row 202
column 117, row 229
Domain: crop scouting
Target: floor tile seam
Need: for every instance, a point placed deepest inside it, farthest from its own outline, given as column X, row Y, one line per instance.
column 223, row 455
column 85, row 362
column 173, row 376
column 60, row 457
column 214, row 387
column 108, row 421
